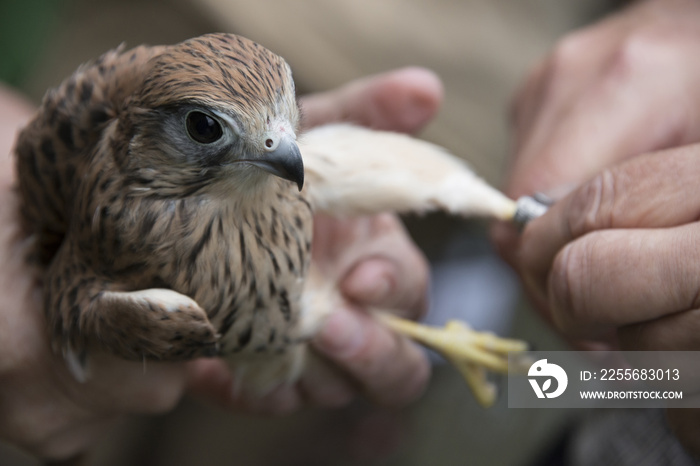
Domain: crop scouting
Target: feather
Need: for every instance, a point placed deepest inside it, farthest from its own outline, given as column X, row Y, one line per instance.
column 354, row 171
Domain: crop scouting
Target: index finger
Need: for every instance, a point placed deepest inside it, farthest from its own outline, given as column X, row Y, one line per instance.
column 657, row 190
column 619, row 250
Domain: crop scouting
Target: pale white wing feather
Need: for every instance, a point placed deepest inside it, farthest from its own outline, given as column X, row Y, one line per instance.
column 352, row 170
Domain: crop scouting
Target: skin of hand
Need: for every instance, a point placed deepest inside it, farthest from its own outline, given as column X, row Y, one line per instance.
column 46, row 412
column 613, row 261
column 621, row 87
column 618, row 256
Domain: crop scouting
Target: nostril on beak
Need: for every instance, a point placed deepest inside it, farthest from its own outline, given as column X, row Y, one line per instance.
column 271, row 142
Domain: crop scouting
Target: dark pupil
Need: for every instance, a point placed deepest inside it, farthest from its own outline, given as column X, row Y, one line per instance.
column 203, row 128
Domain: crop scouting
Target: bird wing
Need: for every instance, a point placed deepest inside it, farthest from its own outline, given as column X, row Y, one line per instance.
column 353, row 171
column 54, row 147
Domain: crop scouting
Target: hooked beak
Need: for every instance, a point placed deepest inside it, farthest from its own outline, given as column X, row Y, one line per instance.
column 283, row 159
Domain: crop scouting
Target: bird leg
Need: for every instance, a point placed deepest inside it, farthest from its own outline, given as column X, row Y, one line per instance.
column 157, row 324
column 472, row 352
column 154, row 323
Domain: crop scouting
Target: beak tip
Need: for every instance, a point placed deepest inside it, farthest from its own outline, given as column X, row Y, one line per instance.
column 285, row 161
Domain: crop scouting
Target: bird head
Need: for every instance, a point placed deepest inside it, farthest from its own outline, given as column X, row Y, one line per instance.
column 217, row 112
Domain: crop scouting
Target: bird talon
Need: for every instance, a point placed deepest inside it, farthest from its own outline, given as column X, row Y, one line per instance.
column 471, row 352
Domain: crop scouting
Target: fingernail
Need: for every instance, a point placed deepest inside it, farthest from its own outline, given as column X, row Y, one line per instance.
column 423, row 91
column 341, row 334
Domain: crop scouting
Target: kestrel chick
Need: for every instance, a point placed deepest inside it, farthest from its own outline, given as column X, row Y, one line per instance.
column 165, row 190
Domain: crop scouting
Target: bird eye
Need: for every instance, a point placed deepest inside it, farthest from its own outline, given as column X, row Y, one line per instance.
column 203, row 128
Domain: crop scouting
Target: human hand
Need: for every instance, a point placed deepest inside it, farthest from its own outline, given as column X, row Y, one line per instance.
column 619, row 88
column 43, row 409
column 624, row 86
column 618, row 256
column 382, row 268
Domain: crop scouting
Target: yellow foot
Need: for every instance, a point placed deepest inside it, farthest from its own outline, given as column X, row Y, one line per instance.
column 469, row 351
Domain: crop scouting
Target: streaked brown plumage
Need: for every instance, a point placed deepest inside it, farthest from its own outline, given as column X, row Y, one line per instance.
column 163, row 189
